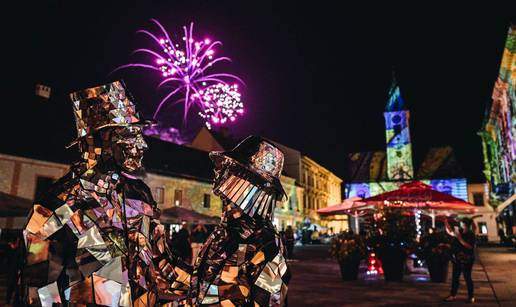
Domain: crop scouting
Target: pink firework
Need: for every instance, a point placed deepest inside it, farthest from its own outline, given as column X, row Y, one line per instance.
column 221, row 103
column 188, row 67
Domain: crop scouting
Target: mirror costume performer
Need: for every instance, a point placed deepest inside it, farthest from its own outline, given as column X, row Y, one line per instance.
column 95, row 238
column 243, row 261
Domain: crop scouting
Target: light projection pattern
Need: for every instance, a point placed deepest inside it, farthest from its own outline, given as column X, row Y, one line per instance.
column 499, row 131
column 457, row 187
column 399, row 149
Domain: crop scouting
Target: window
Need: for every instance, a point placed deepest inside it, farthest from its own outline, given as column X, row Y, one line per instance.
column 160, row 195
column 290, row 201
column 206, row 201
column 43, row 183
column 178, row 197
column 482, row 226
column 478, row 199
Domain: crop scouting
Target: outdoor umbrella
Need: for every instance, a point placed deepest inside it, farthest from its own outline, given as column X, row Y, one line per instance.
column 417, row 195
column 180, row 214
column 351, row 205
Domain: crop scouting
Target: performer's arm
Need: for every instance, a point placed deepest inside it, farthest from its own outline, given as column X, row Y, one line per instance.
column 42, row 228
column 448, row 229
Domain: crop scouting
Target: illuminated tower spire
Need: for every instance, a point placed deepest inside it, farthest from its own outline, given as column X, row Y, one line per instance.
column 397, row 134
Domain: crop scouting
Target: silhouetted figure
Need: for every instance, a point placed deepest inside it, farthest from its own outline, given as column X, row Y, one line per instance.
column 198, row 237
column 14, row 255
column 463, row 257
column 181, row 244
column 289, row 241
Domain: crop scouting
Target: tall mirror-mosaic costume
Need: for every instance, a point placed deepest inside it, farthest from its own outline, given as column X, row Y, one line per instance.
column 242, row 263
column 94, row 238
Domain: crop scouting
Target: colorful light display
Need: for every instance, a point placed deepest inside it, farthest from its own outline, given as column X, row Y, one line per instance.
column 417, row 217
column 397, row 134
column 186, row 67
column 374, row 265
column 457, row 187
column 499, row 131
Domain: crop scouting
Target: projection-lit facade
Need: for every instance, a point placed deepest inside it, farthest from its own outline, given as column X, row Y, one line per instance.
column 499, row 139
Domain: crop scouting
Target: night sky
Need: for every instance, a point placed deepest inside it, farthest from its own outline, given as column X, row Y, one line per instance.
column 317, row 74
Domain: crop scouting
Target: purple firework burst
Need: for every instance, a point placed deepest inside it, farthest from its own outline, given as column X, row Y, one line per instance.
column 188, row 67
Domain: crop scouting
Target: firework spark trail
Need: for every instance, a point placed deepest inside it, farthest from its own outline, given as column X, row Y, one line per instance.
column 185, row 68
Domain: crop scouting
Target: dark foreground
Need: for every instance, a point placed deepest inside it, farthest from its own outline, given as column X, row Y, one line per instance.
column 316, row 282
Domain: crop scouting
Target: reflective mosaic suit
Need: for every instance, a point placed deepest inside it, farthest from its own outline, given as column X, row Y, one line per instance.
column 94, row 238
column 242, row 263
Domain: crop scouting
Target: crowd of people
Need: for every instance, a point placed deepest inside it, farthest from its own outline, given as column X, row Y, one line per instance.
column 187, row 242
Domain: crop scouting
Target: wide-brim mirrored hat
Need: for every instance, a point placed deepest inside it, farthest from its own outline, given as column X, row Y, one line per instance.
column 108, row 105
column 257, row 156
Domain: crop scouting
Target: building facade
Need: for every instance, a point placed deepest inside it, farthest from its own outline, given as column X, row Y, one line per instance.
column 289, row 212
column 373, row 173
column 498, row 136
column 485, row 217
column 322, row 189
column 26, row 178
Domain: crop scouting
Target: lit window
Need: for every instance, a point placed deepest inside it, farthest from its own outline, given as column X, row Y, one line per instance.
column 178, row 197
column 483, row 228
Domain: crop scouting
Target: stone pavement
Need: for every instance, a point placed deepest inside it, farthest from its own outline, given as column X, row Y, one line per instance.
column 316, row 282
column 500, row 264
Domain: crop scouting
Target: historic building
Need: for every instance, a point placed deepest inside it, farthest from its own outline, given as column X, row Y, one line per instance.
column 177, row 175
column 372, row 173
column 25, row 178
column 498, row 135
column 322, row 189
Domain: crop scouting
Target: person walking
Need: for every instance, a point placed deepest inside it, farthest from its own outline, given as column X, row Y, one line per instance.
column 199, row 236
column 289, row 241
column 14, row 257
column 463, row 257
column 181, row 243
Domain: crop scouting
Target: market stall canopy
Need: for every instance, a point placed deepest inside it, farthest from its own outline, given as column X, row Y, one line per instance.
column 421, row 196
column 14, row 206
column 347, row 206
column 176, row 215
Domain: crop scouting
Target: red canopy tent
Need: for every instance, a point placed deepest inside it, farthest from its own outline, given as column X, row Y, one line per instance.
column 347, row 206
column 351, row 205
column 417, row 195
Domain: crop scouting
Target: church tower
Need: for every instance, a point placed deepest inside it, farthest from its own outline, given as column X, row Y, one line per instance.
column 397, row 134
